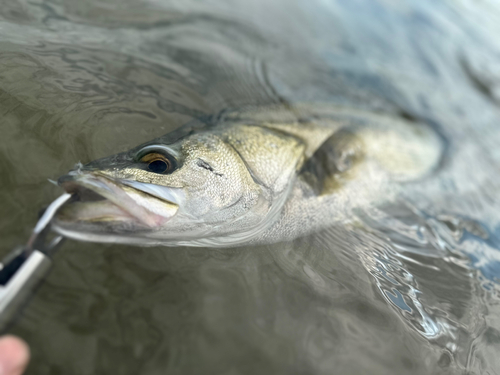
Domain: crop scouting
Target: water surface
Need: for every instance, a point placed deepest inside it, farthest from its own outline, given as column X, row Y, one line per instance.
column 412, row 288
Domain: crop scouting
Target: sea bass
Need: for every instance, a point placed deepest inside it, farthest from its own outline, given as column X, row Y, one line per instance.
column 257, row 176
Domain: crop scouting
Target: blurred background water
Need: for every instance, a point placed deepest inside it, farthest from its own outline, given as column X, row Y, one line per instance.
column 413, row 288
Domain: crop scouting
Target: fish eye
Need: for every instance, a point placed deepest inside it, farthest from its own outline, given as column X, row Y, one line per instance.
column 158, row 166
column 158, row 163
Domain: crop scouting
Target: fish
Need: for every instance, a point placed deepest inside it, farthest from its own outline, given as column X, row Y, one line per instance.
column 251, row 176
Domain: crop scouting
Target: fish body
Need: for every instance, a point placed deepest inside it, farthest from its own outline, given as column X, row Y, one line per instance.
column 257, row 176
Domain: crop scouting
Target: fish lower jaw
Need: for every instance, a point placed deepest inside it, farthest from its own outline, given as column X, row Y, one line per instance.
column 98, row 233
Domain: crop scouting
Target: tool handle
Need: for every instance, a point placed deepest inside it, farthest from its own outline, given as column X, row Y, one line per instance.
column 25, row 267
column 18, row 280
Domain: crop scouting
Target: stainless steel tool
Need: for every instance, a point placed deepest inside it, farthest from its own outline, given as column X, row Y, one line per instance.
column 22, row 270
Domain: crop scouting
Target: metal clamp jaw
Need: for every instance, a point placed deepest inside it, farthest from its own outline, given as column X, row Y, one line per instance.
column 22, row 270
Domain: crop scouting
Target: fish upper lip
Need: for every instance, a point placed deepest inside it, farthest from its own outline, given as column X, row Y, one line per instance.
column 109, row 189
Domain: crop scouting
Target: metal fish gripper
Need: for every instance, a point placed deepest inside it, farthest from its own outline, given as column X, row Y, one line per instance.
column 23, row 269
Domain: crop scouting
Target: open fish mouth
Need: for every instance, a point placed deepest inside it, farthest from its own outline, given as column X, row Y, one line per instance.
column 98, row 199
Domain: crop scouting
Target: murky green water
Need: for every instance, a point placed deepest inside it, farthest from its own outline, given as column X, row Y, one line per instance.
column 414, row 290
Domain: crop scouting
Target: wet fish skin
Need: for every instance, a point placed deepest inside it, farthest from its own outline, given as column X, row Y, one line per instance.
column 259, row 177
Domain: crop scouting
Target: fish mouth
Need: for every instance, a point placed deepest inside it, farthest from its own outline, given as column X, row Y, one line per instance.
column 102, row 201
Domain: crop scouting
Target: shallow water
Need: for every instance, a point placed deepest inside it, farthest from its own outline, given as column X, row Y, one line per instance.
column 412, row 288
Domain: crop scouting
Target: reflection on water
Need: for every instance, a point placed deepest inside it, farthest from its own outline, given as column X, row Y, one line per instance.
column 410, row 287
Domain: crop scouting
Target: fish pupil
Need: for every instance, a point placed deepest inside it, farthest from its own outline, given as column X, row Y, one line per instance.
column 158, row 166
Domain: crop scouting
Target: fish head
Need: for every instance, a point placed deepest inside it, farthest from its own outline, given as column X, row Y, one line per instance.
column 210, row 188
